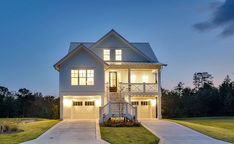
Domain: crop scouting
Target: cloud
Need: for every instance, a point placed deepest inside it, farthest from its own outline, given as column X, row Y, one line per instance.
column 222, row 17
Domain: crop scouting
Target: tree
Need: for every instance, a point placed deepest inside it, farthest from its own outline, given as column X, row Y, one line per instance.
column 179, row 88
column 201, row 78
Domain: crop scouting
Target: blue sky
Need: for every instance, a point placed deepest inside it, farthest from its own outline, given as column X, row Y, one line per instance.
column 34, row 35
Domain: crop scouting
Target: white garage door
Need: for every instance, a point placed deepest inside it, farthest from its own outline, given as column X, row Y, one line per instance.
column 84, row 110
column 143, row 109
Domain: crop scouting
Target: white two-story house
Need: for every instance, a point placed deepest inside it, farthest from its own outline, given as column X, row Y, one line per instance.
column 111, row 77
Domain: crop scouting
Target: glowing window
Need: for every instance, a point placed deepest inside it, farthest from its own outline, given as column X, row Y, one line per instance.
column 90, row 77
column 106, row 54
column 74, row 77
column 118, row 54
column 82, row 77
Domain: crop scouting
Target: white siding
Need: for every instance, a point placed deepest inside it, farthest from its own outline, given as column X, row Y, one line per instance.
column 82, row 59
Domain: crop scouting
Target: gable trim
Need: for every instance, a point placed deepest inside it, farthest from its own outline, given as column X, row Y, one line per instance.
column 123, row 40
column 81, row 46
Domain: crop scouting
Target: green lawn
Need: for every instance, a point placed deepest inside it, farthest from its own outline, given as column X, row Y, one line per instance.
column 221, row 128
column 30, row 130
column 128, row 135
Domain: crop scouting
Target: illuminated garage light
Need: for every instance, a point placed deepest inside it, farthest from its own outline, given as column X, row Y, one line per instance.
column 153, row 102
column 98, row 102
column 67, row 103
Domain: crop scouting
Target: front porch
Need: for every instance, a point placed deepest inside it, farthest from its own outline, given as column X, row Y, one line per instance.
column 132, row 92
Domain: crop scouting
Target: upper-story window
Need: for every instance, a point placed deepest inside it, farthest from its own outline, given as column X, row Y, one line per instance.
column 118, row 54
column 74, row 77
column 82, row 77
column 106, row 54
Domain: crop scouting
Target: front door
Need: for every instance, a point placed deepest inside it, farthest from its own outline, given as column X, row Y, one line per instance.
column 113, row 81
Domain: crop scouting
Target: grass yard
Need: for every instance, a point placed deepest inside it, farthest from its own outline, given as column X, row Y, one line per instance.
column 221, row 128
column 128, row 135
column 30, row 130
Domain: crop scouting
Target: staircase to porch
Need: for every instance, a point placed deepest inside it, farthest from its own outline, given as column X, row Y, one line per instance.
column 117, row 107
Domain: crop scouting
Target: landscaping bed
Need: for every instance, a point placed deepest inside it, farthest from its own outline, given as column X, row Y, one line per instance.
column 121, row 131
column 17, row 130
column 221, row 128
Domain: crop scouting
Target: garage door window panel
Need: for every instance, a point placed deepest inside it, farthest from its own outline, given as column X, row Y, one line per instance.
column 89, row 103
column 77, row 103
column 135, row 103
column 144, row 103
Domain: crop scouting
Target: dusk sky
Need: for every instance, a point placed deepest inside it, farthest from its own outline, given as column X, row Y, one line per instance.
column 190, row 36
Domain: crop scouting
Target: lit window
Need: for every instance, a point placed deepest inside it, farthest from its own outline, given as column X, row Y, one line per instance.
column 90, row 77
column 106, row 54
column 74, row 77
column 118, row 54
column 82, row 77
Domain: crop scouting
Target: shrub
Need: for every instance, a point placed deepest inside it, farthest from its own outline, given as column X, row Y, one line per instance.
column 121, row 123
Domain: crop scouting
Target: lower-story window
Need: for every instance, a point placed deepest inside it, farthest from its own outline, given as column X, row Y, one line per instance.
column 89, row 103
column 144, row 103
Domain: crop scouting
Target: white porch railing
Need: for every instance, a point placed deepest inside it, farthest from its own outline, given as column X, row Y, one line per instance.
column 139, row 87
column 117, row 109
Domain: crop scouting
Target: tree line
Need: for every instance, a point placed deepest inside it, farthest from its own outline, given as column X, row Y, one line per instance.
column 25, row 103
column 203, row 100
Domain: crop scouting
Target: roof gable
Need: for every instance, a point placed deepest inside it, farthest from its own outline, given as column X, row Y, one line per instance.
column 122, row 39
column 73, row 52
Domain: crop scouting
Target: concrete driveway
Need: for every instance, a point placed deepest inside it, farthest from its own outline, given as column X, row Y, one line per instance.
column 70, row 132
column 172, row 133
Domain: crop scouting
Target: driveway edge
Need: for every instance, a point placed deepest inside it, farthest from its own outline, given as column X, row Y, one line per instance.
column 161, row 140
column 98, row 133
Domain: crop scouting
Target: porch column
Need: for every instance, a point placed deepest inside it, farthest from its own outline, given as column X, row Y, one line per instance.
column 159, row 95
column 61, row 106
column 129, row 85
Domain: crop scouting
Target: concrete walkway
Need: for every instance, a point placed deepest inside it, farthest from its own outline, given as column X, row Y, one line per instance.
column 70, row 132
column 172, row 133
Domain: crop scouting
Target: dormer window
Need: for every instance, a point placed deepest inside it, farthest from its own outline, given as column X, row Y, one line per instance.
column 118, row 54
column 106, row 54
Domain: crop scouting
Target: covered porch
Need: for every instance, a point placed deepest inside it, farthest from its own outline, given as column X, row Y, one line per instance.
column 129, row 82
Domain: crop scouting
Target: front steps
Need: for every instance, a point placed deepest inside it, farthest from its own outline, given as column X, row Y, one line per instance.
column 117, row 109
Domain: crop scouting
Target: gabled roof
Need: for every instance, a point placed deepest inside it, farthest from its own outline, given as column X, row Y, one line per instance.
column 142, row 46
column 113, row 32
column 71, row 53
